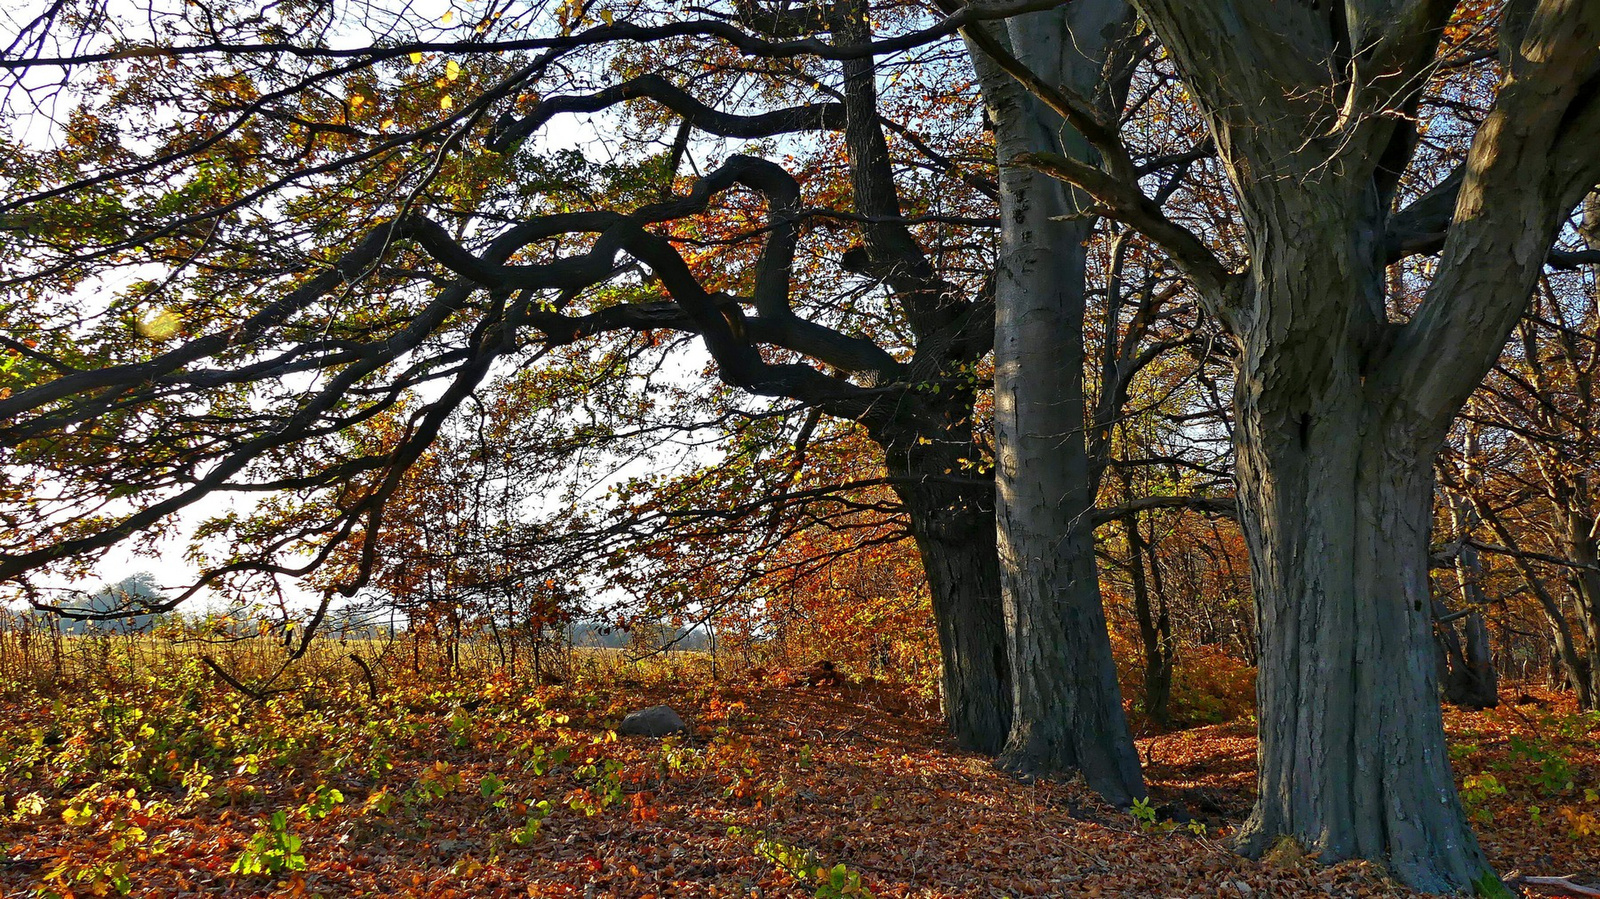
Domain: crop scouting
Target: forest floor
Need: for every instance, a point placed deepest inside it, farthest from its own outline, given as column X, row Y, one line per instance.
column 170, row 787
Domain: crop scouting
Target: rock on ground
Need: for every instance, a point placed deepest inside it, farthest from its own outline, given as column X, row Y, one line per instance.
column 656, row 721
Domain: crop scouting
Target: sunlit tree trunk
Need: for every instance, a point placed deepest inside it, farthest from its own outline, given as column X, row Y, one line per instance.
column 1067, row 709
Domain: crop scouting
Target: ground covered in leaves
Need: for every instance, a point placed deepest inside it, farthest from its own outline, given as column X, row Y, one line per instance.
column 165, row 785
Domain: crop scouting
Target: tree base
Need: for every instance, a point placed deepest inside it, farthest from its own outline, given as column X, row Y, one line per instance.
column 1034, row 757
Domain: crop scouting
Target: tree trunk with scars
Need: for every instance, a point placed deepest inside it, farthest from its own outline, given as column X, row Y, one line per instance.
column 1337, row 495
column 1067, row 709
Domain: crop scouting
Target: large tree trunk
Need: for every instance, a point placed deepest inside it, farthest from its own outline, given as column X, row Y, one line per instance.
column 1067, row 712
column 954, row 530
column 1067, row 715
column 1340, row 407
column 1337, row 502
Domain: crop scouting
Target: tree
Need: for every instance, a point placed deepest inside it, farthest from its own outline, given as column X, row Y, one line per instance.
column 1067, row 711
column 1533, row 500
column 373, row 220
column 115, row 608
column 1327, row 117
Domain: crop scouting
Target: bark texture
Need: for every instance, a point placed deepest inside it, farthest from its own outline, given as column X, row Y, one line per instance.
column 954, row 530
column 1340, row 409
column 1352, row 759
column 1067, row 707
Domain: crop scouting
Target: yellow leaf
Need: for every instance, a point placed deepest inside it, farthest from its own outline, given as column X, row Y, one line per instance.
column 357, row 100
column 416, row 57
column 77, row 815
column 452, row 70
column 446, row 102
column 160, row 326
column 448, row 15
column 607, row 16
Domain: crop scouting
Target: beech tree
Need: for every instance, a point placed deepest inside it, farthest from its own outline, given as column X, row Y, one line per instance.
column 1327, row 118
column 1067, row 709
column 369, row 213
column 351, row 230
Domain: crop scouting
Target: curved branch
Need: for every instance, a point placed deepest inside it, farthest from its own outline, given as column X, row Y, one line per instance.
column 811, row 117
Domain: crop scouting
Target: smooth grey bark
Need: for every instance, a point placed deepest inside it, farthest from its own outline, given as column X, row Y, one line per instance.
column 1067, row 708
column 1339, row 410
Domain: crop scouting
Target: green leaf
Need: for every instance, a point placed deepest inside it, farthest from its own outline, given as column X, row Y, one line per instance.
column 1488, row 886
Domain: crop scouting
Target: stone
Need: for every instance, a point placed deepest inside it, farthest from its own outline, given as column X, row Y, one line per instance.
column 656, row 721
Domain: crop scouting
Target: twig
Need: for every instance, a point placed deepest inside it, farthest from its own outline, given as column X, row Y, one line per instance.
column 1563, row 884
column 366, row 672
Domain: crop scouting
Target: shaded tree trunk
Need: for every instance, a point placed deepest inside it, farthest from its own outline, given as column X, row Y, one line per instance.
column 1067, row 714
column 1337, row 504
column 1583, row 526
column 1467, row 674
column 954, row 530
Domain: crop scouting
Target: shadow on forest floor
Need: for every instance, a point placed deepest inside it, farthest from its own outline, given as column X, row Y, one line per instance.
column 441, row 790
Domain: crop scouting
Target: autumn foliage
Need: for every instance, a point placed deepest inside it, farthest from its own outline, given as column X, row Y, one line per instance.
column 160, row 781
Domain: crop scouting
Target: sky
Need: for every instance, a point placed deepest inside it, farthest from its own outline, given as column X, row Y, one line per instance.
column 167, row 560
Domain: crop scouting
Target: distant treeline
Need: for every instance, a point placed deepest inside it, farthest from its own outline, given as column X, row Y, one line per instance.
column 132, row 599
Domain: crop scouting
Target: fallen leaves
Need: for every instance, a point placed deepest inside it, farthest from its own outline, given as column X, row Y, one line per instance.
column 781, row 789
